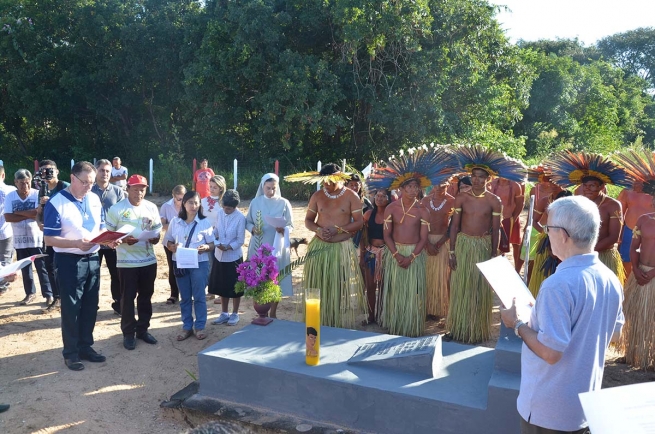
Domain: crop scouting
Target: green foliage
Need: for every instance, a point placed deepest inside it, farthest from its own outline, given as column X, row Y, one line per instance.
column 633, row 51
column 265, row 292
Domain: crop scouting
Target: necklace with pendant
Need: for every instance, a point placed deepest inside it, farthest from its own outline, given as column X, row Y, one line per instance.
column 334, row 196
column 439, row 207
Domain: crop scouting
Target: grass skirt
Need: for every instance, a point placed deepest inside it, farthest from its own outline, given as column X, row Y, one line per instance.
column 638, row 336
column 471, row 298
column 612, row 259
column 335, row 271
column 537, row 276
column 437, row 275
column 403, row 307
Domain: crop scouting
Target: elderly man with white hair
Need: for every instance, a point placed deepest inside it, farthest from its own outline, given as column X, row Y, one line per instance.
column 576, row 315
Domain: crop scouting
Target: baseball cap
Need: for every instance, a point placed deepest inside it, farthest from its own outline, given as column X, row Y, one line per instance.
column 137, row 180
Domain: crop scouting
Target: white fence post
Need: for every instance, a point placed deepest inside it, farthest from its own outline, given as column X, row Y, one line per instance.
column 343, row 168
column 72, row 163
column 151, row 176
column 318, row 169
column 235, row 173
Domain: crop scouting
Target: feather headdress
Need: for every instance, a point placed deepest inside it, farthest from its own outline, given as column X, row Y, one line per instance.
column 493, row 162
column 567, row 168
column 428, row 166
column 538, row 174
column 640, row 166
column 314, row 177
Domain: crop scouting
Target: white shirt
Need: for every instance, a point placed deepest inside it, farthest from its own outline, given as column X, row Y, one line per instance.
column 118, row 172
column 230, row 231
column 178, row 232
column 26, row 233
column 5, row 227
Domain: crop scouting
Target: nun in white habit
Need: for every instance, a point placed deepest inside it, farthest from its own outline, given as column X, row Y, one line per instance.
column 269, row 220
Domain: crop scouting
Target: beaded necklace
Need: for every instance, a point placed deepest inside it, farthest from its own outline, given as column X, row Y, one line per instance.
column 439, row 207
column 334, row 196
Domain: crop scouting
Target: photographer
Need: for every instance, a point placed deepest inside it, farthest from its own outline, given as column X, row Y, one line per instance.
column 47, row 182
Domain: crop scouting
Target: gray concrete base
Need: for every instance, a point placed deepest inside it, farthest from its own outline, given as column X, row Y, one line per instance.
column 473, row 389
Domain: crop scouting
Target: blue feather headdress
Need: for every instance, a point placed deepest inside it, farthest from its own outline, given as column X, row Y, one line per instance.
column 567, row 169
column 428, row 166
column 640, row 166
column 493, row 162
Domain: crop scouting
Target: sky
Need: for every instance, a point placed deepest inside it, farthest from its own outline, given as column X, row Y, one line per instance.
column 588, row 20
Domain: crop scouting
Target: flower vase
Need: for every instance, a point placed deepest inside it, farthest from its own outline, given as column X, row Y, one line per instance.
column 262, row 311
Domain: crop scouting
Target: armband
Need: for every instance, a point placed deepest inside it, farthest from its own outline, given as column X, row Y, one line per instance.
column 309, row 209
column 457, row 210
column 427, row 223
column 636, row 233
column 496, row 213
column 537, row 211
column 394, row 255
column 355, row 210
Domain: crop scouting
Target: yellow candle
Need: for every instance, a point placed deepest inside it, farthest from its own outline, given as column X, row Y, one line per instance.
column 313, row 332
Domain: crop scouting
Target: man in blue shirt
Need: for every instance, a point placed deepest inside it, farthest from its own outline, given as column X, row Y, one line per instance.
column 576, row 315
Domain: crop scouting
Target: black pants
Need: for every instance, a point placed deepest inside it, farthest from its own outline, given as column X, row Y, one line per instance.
column 50, row 268
column 136, row 283
column 528, row 428
column 110, row 259
column 79, row 281
column 28, row 276
column 175, row 293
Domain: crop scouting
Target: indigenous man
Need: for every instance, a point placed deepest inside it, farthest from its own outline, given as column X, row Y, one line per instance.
column 439, row 205
column 406, row 228
column 136, row 260
column 474, row 236
column 334, row 213
column 638, row 338
column 593, row 171
column 511, row 196
column 634, row 203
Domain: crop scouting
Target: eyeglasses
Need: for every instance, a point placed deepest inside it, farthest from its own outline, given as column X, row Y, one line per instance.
column 84, row 183
column 548, row 228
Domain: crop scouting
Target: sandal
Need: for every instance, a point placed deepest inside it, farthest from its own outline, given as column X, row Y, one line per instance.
column 185, row 334
column 200, row 334
column 171, row 300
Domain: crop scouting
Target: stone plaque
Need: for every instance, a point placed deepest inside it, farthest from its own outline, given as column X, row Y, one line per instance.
column 417, row 356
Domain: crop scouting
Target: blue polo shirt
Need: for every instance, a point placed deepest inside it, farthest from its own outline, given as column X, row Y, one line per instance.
column 577, row 311
column 67, row 217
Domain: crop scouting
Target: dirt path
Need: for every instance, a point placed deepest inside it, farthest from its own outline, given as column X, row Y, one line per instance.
column 123, row 394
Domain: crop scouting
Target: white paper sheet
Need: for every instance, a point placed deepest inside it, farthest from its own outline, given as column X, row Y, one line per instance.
column 15, row 266
column 624, row 409
column 186, row 257
column 146, row 235
column 508, row 285
column 276, row 222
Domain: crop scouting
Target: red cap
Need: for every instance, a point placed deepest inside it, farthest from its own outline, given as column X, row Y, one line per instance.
column 137, row 180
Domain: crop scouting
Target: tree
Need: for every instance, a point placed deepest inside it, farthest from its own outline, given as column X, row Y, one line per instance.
column 634, row 51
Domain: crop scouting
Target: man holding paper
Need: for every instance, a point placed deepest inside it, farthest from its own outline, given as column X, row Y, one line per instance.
column 136, row 260
column 576, row 315
column 71, row 219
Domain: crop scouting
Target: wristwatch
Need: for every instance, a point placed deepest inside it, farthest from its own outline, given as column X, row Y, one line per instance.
column 518, row 324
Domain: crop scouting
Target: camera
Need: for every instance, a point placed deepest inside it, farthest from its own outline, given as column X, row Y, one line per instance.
column 40, row 180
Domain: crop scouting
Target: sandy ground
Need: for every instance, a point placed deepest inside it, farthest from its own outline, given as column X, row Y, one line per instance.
column 123, row 394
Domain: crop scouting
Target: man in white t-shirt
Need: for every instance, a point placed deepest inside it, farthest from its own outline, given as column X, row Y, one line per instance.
column 118, row 173
column 6, row 233
column 20, row 210
column 136, row 260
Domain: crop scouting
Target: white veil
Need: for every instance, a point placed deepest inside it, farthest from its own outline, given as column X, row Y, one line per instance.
column 260, row 190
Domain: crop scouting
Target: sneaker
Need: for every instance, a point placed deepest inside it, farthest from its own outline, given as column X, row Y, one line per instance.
column 222, row 319
column 234, row 319
column 49, row 301
column 28, row 299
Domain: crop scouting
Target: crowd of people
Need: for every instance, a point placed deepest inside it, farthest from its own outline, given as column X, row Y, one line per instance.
column 393, row 249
